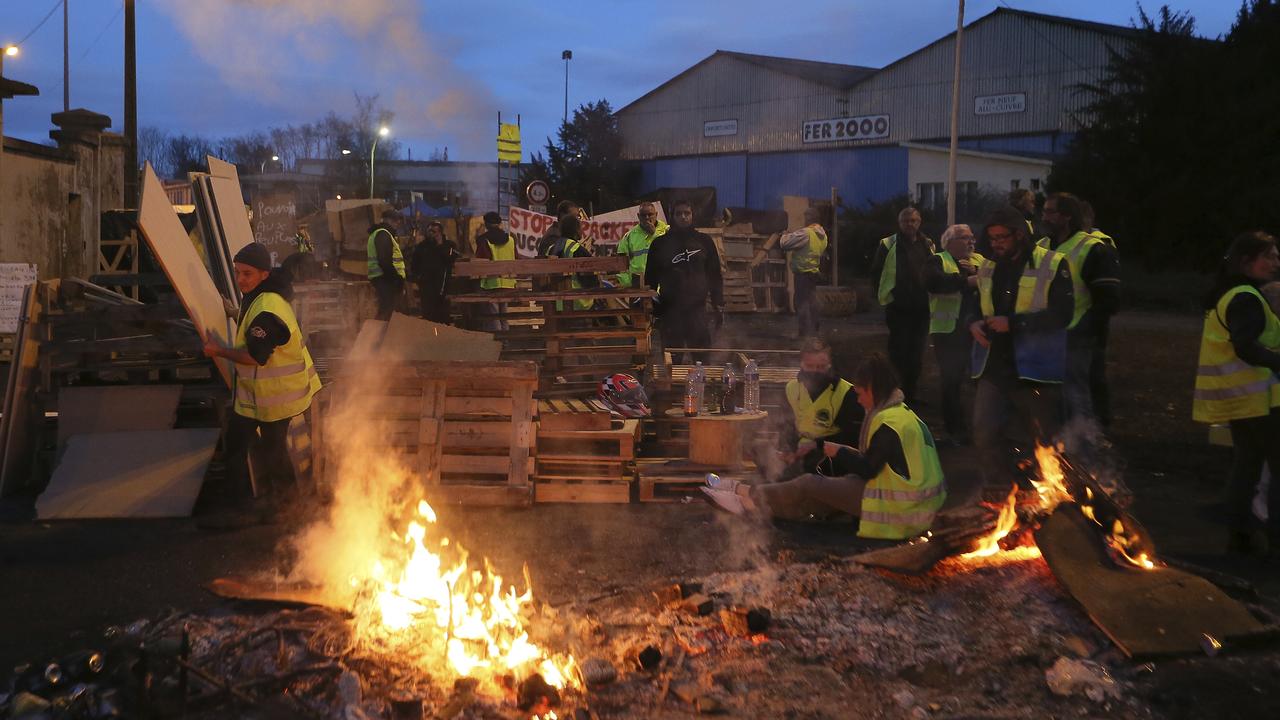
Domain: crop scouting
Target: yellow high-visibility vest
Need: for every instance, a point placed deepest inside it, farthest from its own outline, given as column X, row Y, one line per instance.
column 397, row 258
column 1228, row 388
column 895, row 507
column 505, row 251
column 816, row 417
column 808, row 259
column 1040, row 357
column 944, row 308
column 1076, row 250
column 284, row 386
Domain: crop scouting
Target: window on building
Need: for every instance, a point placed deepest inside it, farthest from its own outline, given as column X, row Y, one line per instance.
column 1015, row 184
column 1035, row 184
column 932, row 197
column 966, row 198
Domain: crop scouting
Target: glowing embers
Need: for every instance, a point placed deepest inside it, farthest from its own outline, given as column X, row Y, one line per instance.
column 447, row 612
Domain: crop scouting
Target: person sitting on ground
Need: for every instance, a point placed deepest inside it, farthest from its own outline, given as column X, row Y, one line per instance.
column 894, row 484
column 819, row 409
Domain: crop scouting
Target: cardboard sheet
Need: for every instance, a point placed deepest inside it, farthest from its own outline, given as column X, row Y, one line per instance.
column 415, row 340
column 232, row 214
column 116, row 408
column 144, row 474
column 182, row 264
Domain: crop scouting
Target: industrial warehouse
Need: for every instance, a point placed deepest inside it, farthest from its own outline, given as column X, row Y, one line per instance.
column 756, row 128
column 943, row 384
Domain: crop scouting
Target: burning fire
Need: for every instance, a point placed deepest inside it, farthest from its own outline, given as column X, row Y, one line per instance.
column 456, row 613
column 1123, row 543
column 1007, row 520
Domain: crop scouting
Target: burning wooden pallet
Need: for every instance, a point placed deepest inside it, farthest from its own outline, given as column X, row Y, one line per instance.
column 466, row 427
column 588, row 466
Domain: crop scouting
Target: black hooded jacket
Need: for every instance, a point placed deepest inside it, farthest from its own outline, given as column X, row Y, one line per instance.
column 491, row 236
column 268, row 331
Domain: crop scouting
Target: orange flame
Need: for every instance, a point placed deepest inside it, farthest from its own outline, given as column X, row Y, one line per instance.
column 1051, row 487
column 459, row 614
column 1005, row 522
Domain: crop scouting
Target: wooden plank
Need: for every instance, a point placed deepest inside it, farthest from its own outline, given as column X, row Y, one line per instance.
column 273, row 591
column 548, row 296
column 495, row 406
column 479, row 495
column 430, row 446
column 480, row 464
column 117, row 408
column 1147, row 613
column 522, row 436
column 541, row 266
column 478, row 435
column 186, row 272
column 582, row 492
column 153, row 473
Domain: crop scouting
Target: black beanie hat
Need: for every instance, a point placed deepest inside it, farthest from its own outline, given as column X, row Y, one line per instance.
column 492, row 218
column 254, row 255
column 1006, row 217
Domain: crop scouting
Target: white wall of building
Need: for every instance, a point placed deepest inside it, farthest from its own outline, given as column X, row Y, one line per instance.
column 928, row 164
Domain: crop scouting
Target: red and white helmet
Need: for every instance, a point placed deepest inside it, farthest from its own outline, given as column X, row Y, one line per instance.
column 623, row 394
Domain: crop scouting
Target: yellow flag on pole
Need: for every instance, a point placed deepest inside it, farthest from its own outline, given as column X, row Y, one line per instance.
column 508, row 142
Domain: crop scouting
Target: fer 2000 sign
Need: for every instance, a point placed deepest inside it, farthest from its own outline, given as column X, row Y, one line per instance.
column 862, row 127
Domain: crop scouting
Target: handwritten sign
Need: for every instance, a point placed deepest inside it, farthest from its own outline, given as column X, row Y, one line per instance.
column 274, row 225
column 14, row 279
column 606, row 229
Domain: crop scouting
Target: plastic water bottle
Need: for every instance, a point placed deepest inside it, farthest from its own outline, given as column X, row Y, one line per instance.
column 694, row 388
column 729, row 381
column 751, row 382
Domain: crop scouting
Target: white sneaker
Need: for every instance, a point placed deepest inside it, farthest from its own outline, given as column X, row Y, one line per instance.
column 716, row 482
column 726, row 500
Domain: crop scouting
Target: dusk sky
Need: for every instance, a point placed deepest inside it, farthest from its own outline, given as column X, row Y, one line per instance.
column 222, row 67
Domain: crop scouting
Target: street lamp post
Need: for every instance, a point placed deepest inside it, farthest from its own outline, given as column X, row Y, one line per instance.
column 263, row 168
column 382, row 132
column 567, row 55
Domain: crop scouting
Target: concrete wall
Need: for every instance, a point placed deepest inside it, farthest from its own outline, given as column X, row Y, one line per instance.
column 929, row 165
column 51, row 199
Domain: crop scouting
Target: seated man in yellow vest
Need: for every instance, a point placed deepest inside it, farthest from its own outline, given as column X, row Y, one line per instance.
column 819, row 408
column 275, row 378
column 893, row 483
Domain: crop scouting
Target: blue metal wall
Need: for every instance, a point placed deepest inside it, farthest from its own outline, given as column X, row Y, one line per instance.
column 862, row 176
column 1046, row 145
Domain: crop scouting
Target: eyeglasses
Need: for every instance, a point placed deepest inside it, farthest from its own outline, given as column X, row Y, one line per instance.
column 999, row 237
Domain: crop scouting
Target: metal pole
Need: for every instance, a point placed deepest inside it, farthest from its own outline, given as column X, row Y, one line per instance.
column 130, row 106
column 566, row 91
column 955, row 122
column 835, row 238
column 66, row 61
column 372, row 150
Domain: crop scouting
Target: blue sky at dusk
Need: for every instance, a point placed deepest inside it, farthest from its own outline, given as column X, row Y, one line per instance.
column 221, row 67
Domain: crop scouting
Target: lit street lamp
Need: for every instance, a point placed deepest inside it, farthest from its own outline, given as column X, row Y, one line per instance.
column 262, row 168
column 382, row 132
column 346, row 151
column 9, row 51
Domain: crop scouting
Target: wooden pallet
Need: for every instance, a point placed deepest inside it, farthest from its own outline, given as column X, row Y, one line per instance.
column 7, row 342
column 572, row 414
column 587, row 465
column 672, row 480
column 465, row 427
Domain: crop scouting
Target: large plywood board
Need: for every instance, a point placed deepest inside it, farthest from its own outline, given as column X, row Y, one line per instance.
column 1146, row 613
column 19, row 421
column 146, row 474
column 181, row 263
column 232, row 214
column 116, row 408
column 222, row 168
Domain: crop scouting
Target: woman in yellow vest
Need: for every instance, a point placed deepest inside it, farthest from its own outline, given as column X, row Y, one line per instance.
column 895, row 487
column 821, row 406
column 1237, row 381
column 275, row 378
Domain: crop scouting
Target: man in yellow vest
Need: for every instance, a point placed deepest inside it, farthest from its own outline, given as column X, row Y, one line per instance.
column 952, row 280
column 820, row 408
column 635, row 244
column 275, row 378
column 1238, row 382
column 1024, row 201
column 892, row 481
column 807, row 246
column 1095, row 279
column 494, row 243
column 386, row 264
column 899, row 264
column 1025, row 303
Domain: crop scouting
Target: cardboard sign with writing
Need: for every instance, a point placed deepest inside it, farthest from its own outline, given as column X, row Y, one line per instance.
column 275, row 223
column 606, row 229
column 14, row 279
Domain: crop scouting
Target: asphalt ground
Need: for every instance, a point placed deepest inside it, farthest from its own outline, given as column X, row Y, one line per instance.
column 61, row 583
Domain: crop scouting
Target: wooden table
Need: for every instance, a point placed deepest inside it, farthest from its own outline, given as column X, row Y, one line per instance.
column 717, row 440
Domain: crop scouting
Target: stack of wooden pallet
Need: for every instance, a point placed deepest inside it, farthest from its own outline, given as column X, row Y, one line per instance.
column 584, row 454
column 330, row 312
column 764, row 287
column 672, row 480
column 574, row 347
column 465, row 428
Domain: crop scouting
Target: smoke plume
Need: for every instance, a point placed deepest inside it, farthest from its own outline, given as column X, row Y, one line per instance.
column 382, row 43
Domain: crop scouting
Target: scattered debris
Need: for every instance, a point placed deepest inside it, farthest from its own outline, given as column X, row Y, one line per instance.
column 1069, row 676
